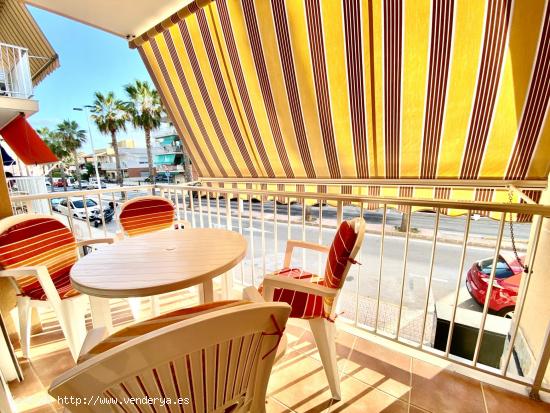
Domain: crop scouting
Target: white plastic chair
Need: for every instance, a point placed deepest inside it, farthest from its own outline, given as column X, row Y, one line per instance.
column 32, row 247
column 219, row 360
column 142, row 215
column 312, row 297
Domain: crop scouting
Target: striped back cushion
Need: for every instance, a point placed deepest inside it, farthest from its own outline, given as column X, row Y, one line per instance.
column 147, row 326
column 338, row 259
column 40, row 241
column 147, row 214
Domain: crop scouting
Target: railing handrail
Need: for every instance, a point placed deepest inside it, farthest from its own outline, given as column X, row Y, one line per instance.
column 453, row 183
column 530, row 209
column 84, row 192
column 13, row 46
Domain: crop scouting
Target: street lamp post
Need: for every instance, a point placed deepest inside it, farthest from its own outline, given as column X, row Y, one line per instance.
column 85, row 110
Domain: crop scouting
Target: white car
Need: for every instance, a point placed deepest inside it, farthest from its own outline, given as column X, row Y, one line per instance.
column 76, row 208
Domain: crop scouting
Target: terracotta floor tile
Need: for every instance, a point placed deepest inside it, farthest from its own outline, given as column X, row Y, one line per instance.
column 438, row 390
column 499, row 400
column 377, row 366
column 361, row 398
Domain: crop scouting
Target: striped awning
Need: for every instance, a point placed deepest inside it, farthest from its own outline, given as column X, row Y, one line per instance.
column 18, row 28
column 360, row 89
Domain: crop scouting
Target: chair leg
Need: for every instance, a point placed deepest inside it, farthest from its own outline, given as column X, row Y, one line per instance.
column 135, row 307
column 323, row 332
column 7, row 404
column 24, row 313
column 73, row 323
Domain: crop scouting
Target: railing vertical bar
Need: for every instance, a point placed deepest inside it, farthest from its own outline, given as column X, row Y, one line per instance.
column 303, row 231
column 102, row 214
column 358, row 284
column 184, row 202
column 430, row 276
column 275, row 227
column 458, row 281
column 288, row 219
column 219, row 220
column 70, row 214
column 208, row 207
column 176, row 195
column 49, row 201
column 87, row 216
column 320, row 237
column 240, row 207
column 518, row 312
column 116, row 215
column 489, row 290
column 192, row 203
column 263, row 233
column 339, row 212
column 381, row 260
column 404, row 276
column 251, row 230
column 199, row 200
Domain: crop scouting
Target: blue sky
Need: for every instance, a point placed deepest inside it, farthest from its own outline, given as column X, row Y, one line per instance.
column 91, row 60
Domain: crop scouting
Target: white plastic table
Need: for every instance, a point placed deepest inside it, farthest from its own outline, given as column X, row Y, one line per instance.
column 156, row 263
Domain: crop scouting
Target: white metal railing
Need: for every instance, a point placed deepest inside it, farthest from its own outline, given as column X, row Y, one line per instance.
column 15, row 74
column 405, row 276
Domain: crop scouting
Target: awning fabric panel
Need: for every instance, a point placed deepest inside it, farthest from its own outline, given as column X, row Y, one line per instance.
column 7, row 160
column 358, row 89
column 25, row 142
column 18, row 28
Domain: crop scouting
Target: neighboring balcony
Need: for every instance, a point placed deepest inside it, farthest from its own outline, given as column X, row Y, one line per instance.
column 16, row 89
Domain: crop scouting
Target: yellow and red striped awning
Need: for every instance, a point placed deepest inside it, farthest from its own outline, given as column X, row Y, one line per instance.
column 430, row 89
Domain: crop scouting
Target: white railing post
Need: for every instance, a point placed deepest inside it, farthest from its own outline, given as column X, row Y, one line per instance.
column 542, row 366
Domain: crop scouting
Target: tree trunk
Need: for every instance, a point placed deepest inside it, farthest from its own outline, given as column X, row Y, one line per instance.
column 186, row 164
column 114, row 143
column 64, row 178
column 403, row 226
column 149, row 155
column 77, row 170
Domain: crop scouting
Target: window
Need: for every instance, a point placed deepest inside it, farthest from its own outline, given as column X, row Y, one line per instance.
column 503, row 269
column 63, row 203
column 80, row 204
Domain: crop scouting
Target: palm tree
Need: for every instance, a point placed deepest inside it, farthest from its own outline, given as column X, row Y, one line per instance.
column 110, row 115
column 53, row 140
column 145, row 109
column 72, row 139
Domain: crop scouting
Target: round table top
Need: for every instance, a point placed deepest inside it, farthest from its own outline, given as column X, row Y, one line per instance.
column 158, row 262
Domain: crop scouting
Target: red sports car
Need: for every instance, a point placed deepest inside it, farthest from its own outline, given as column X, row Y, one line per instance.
column 505, row 286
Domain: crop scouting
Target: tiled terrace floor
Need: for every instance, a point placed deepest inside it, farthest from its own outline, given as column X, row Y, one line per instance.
column 374, row 378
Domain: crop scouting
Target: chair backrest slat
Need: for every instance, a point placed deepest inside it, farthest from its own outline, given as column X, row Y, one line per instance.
column 217, row 361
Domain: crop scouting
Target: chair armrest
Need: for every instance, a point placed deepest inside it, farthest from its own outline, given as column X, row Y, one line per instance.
column 276, row 281
column 20, row 272
column 95, row 241
column 41, row 273
column 291, row 244
column 252, row 294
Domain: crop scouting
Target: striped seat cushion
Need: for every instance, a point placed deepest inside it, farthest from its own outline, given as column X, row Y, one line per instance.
column 338, row 259
column 40, row 241
column 141, row 216
column 144, row 327
column 303, row 305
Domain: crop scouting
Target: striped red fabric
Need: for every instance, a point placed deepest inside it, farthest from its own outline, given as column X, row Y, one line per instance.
column 147, row 214
column 40, row 241
column 305, row 305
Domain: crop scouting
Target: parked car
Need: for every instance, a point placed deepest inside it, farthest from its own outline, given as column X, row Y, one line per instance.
column 94, row 185
column 505, row 286
column 75, row 208
column 55, row 203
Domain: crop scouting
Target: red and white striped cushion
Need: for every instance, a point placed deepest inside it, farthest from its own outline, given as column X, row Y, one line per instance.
column 305, row 305
column 141, row 216
column 40, row 241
